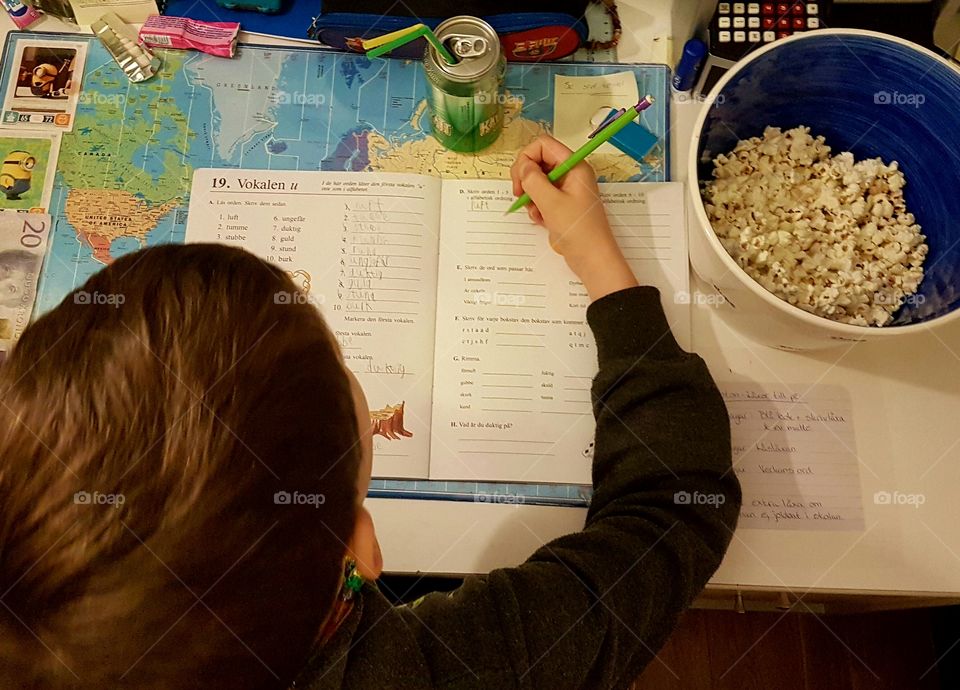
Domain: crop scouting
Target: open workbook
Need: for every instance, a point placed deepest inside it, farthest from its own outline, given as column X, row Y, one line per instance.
column 466, row 331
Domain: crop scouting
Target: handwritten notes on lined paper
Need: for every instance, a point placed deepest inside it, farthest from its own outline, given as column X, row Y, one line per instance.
column 794, row 452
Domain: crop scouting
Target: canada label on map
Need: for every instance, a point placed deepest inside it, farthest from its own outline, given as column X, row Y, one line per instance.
column 23, row 243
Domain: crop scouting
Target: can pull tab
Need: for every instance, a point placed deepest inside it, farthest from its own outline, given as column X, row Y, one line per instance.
column 465, row 46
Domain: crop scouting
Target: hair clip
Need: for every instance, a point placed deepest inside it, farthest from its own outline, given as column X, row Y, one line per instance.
column 352, row 580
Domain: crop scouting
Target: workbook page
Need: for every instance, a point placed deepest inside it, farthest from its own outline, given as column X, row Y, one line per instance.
column 514, row 355
column 363, row 249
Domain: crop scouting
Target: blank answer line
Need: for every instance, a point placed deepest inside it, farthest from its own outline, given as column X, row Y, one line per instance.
column 377, row 278
column 504, row 452
column 512, row 256
column 382, row 232
column 498, row 243
column 347, row 208
column 514, row 233
column 506, row 440
column 382, row 289
column 620, row 214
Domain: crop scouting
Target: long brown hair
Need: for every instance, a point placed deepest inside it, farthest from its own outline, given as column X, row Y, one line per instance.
column 153, row 428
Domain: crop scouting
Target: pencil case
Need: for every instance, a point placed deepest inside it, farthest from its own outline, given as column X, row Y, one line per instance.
column 537, row 30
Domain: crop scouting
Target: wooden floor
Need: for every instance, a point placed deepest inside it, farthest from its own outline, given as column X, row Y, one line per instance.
column 797, row 651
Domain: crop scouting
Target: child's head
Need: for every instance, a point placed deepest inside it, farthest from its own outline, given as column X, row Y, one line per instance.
column 182, row 461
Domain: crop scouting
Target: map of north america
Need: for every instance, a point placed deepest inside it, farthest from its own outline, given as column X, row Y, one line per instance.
column 125, row 171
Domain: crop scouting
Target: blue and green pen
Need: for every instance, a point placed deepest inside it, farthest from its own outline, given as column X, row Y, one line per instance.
column 610, row 126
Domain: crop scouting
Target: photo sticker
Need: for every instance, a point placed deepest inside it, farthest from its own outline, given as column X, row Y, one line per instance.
column 44, row 85
column 28, row 164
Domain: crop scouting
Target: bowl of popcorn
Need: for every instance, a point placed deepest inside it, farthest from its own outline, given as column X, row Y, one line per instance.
column 825, row 185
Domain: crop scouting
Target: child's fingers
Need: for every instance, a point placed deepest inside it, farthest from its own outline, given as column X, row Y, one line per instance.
column 548, row 153
column 518, row 168
column 548, row 150
column 581, row 182
column 545, row 151
column 534, row 213
column 515, row 177
column 536, row 184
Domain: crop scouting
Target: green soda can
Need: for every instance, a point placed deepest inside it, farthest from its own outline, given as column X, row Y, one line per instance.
column 466, row 108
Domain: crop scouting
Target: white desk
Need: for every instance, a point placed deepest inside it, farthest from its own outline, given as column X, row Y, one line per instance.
column 906, row 405
column 906, row 402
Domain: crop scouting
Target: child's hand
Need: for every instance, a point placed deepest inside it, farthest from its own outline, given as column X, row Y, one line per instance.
column 573, row 214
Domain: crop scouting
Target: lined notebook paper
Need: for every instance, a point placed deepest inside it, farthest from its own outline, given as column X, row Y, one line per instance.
column 795, row 454
column 466, row 330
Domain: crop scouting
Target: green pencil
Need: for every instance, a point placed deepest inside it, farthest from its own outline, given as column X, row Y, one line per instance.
column 603, row 133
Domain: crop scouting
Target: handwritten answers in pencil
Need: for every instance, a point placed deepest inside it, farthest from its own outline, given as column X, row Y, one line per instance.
column 794, row 452
column 362, row 249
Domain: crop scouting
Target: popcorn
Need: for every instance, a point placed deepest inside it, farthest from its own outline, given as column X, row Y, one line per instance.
column 827, row 234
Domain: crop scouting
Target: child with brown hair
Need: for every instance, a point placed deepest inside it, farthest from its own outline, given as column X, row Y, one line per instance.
column 150, row 444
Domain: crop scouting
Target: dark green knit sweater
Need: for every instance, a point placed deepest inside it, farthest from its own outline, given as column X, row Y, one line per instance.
column 587, row 610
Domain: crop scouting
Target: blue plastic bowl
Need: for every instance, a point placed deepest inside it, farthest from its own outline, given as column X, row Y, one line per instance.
column 868, row 93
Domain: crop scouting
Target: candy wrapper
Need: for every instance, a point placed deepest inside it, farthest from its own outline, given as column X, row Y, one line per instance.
column 137, row 61
column 60, row 9
column 215, row 38
column 22, row 15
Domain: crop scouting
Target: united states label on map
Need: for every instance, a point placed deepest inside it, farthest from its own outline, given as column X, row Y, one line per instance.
column 23, row 243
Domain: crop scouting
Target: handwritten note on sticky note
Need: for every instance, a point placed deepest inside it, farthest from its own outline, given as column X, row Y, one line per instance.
column 795, row 455
column 577, row 99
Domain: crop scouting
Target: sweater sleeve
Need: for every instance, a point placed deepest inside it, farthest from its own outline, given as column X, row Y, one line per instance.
column 590, row 609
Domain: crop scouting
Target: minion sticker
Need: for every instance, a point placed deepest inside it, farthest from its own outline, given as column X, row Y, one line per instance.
column 28, row 164
column 44, row 88
column 51, row 81
column 16, row 174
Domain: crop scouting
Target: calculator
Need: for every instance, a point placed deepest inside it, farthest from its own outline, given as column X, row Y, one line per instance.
column 739, row 27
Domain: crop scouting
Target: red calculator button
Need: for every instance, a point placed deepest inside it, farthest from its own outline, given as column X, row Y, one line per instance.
column 783, row 34
column 797, row 9
column 798, row 23
column 783, row 8
column 783, row 23
column 769, row 22
column 767, row 8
